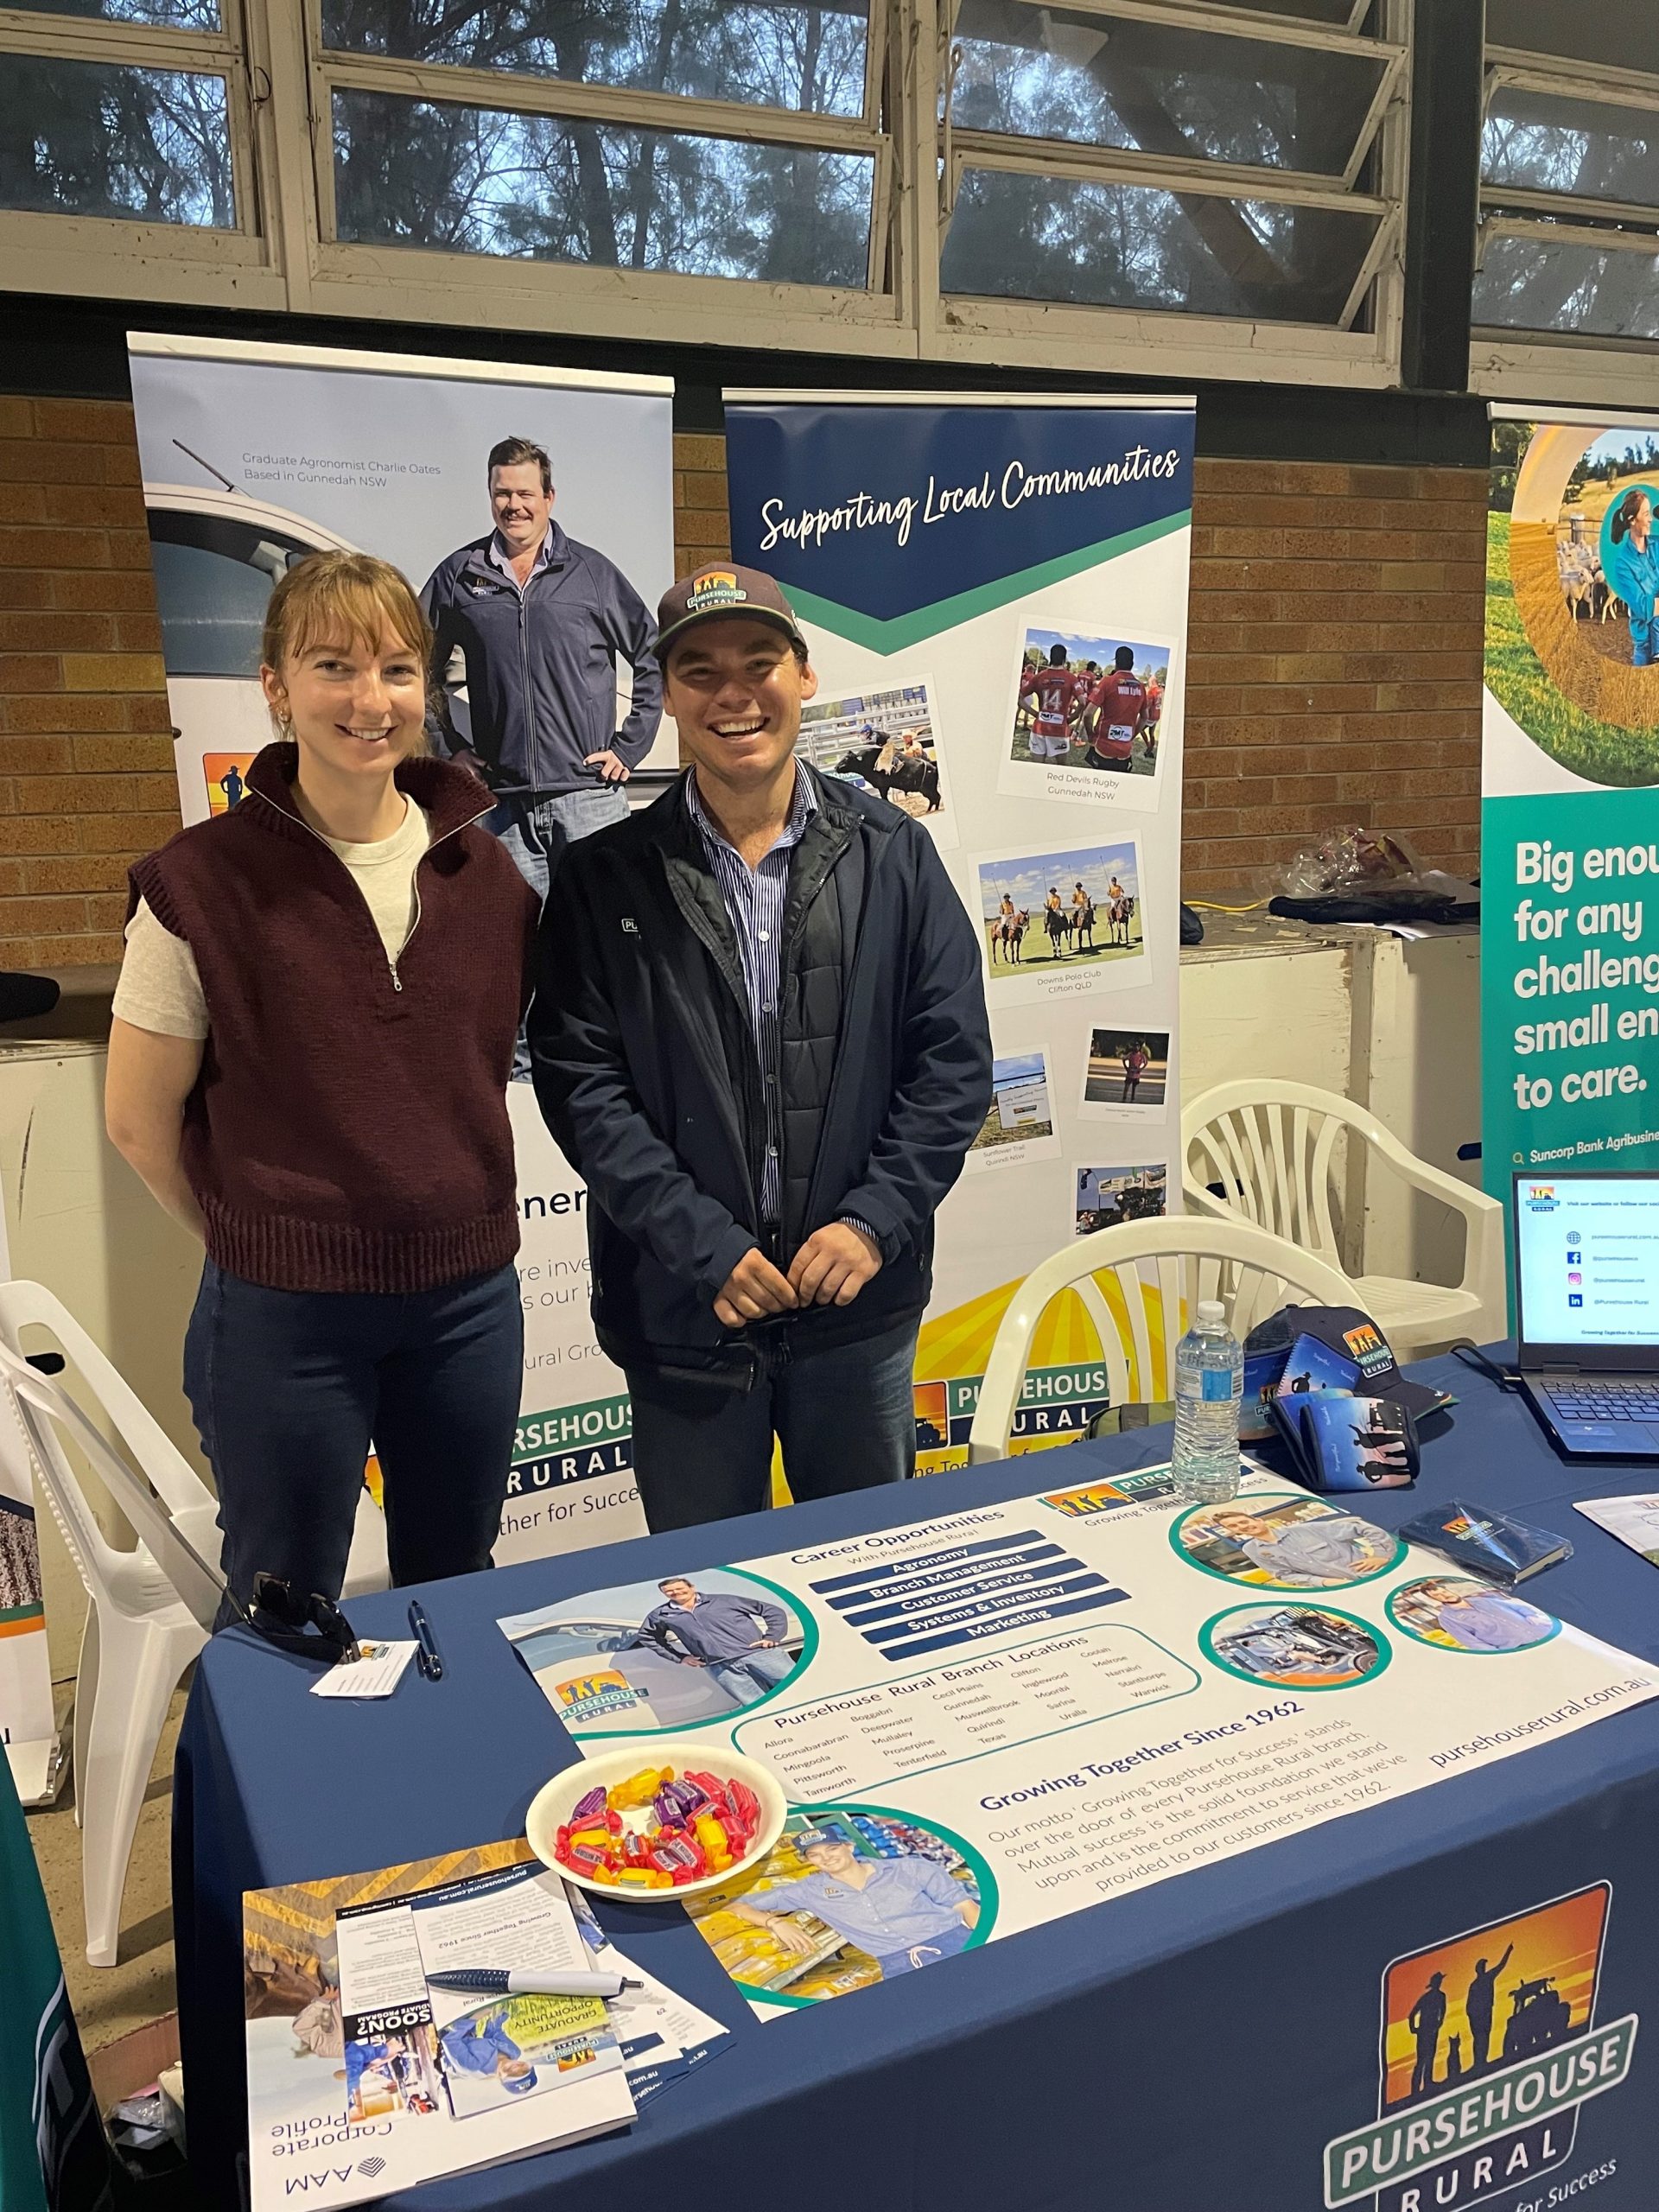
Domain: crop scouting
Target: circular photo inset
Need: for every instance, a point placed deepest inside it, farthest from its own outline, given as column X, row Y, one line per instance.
column 1297, row 1647
column 1459, row 1613
column 1574, row 567
column 1285, row 1543
column 848, row 1896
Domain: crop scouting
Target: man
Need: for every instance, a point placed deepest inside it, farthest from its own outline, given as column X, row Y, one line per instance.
column 739, row 1640
column 760, row 1036
column 905, row 1912
column 1119, row 706
column 1425, row 2019
column 541, row 622
column 479, row 2043
column 1335, row 1548
column 1479, row 1619
column 1477, row 2008
column 1058, row 693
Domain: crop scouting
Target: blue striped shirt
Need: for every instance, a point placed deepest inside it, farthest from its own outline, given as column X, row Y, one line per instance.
column 755, row 903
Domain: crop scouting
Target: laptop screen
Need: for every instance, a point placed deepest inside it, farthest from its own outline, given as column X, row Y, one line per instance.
column 1586, row 1261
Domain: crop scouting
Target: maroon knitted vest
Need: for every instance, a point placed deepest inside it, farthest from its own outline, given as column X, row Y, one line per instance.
column 349, row 1129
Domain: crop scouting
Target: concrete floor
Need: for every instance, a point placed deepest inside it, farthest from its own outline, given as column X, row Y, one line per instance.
column 112, row 2001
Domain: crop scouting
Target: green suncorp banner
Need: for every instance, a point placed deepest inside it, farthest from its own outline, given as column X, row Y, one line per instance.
column 1570, row 784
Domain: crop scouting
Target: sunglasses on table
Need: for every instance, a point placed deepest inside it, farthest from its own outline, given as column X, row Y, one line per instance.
column 302, row 1621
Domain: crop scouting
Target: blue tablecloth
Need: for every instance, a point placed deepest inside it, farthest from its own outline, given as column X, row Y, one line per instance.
column 1192, row 2045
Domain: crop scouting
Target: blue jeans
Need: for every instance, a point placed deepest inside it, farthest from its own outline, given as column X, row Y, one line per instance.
column 1642, row 639
column 945, row 1945
column 753, row 1674
column 536, row 827
column 846, row 1418
column 289, row 1387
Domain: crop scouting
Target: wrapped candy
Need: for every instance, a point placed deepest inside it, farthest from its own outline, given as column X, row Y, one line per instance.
column 695, row 1825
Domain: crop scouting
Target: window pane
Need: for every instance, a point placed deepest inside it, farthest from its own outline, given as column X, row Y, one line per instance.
column 1530, row 284
column 553, row 188
column 1037, row 238
column 774, row 53
column 212, row 595
column 171, row 15
column 89, row 138
column 1548, row 144
column 1617, row 32
column 1056, row 73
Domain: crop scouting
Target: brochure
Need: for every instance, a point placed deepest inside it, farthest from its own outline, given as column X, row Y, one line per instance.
column 663, row 2037
column 364, row 2079
column 1633, row 1520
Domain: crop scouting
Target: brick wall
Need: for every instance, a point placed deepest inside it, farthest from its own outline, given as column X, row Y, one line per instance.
column 1333, row 674
column 1334, row 671
column 86, row 751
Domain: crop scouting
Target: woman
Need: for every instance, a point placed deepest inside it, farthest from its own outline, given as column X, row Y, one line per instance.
column 309, row 1064
column 1135, row 1066
column 1633, row 569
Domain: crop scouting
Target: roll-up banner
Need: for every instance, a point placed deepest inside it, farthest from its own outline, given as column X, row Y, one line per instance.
column 1569, row 812
column 254, row 455
column 996, row 598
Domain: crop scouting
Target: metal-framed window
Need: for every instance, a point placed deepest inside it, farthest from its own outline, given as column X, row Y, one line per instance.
column 1219, row 167
column 128, row 151
column 1566, row 289
column 997, row 181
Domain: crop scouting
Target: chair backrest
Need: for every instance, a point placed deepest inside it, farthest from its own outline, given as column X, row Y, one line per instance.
column 37, row 1408
column 39, row 1413
column 1172, row 1262
column 1271, row 1147
column 31, row 1305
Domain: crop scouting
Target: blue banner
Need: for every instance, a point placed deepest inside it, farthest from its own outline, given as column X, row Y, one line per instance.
column 921, row 517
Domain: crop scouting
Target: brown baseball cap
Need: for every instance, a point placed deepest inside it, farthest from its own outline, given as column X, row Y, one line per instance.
column 718, row 592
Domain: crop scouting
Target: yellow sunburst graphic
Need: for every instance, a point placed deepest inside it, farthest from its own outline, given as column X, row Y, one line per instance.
column 959, row 1342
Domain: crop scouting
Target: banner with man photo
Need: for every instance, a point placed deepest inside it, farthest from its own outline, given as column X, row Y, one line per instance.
column 532, row 508
column 996, row 598
column 1570, row 798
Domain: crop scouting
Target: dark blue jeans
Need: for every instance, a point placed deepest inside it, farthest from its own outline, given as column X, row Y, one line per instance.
column 289, row 1387
column 846, row 1419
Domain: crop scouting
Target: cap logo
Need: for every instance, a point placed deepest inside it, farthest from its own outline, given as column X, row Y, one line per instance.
column 714, row 587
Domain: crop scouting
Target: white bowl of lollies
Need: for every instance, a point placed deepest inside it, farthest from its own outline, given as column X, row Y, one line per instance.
column 661, row 1821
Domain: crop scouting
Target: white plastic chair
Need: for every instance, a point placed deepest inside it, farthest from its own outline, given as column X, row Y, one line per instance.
column 1253, row 1274
column 1271, row 1146
column 152, row 1608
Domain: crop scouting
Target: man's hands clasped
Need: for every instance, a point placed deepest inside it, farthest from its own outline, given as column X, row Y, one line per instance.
column 830, row 1269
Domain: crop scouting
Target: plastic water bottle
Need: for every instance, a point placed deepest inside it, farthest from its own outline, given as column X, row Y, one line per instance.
column 1208, row 1387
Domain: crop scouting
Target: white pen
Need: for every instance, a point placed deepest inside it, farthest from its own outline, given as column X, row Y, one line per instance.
column 527, row 1981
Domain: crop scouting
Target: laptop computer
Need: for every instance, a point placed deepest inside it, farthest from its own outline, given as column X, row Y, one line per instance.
column 1587, row 1306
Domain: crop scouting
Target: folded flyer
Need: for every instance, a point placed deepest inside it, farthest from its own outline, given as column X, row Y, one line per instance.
column 364, row 2079
column 1633, row 1520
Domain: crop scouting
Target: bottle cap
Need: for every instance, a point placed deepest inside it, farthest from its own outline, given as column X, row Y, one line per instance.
column 1212, row 1310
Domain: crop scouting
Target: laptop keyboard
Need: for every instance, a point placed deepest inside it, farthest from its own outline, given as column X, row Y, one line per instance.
column 1631, row 1397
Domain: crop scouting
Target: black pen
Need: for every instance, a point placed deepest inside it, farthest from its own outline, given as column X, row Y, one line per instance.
column 431, row 1663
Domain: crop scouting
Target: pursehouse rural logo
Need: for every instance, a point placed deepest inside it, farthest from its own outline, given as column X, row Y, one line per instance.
column 1490, row 2045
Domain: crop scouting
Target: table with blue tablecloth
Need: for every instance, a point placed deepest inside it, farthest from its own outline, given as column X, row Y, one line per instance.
column 1191, row 2047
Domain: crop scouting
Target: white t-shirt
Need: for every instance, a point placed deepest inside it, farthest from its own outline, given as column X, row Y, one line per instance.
column 159, row 987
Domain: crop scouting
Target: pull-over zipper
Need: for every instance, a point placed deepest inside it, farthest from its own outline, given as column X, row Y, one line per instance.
column 391, row 960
